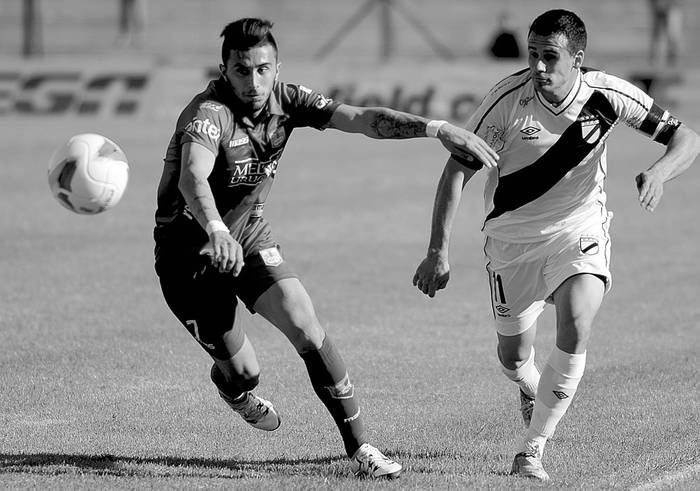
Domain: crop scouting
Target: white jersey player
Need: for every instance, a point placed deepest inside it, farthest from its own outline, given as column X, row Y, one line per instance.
column 546, row 222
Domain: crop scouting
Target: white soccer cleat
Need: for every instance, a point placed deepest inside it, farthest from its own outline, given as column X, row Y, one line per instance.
column 371, row 463
column 529, row 464
column 527, row 405
column 256, row 411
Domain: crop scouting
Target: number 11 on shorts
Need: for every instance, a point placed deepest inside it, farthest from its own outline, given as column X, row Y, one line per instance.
column 498, row 292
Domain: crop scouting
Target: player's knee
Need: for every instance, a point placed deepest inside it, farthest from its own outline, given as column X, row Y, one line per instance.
column 513, row 357
column 573, row 333
column 305, row 332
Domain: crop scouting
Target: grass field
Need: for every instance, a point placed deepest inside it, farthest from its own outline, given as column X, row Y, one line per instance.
column 102, row 388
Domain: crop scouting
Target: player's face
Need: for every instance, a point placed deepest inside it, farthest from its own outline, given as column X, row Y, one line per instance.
column 251, row 74
column 553, row 68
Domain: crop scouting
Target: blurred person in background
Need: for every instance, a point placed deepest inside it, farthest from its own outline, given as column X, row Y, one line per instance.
column 546, row 223
column 666, row 32
column 505, row 40
column 132, row 22
column 214, row 245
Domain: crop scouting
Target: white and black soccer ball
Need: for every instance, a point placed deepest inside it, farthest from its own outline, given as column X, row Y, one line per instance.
column 88, row 174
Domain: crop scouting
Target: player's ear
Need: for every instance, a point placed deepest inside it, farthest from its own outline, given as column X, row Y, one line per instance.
column 578, row 59
column 279, row 64
column 222, row 69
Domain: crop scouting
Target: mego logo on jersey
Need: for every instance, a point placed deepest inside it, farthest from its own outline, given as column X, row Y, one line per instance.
column 205, row 127
column 251, row 172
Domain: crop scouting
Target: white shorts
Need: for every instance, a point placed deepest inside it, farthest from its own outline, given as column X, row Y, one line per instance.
column 523, row 277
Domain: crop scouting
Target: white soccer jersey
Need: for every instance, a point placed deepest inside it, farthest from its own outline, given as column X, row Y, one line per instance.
column 552, row 163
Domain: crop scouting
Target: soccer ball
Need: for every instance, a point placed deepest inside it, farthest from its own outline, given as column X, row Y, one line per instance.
column 88, row 174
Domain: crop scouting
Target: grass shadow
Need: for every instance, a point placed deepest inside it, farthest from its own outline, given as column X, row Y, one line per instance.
column 168, row 466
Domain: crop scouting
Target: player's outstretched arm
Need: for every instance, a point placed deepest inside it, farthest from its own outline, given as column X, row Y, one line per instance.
column 433, row 273
column 682, row 150
column 382, row 122
column 222, row 249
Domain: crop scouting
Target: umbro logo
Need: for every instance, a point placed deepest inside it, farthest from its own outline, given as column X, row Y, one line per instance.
column 560, row 395
column 529, row 132
column 502, row 311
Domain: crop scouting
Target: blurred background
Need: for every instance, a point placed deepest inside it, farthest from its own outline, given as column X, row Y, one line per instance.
column 182, row 30
column 148, row 57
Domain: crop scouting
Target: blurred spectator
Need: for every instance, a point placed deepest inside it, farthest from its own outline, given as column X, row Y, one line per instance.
column 666, row 32
column 505, row 41
column 132, row 21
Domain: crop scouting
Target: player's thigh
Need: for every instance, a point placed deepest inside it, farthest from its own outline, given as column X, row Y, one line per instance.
column 205, row 304
column 582, row 251
column 516, row 285
column 287, row 305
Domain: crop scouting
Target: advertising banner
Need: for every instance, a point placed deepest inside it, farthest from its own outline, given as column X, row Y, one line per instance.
column 141, row 89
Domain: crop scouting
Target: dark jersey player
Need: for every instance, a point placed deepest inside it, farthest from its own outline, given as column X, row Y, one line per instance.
column 214, row 246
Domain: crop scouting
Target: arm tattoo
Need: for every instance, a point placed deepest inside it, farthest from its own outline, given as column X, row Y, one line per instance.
column 394, row 124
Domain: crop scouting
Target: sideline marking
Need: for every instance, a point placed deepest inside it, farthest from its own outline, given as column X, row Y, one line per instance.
column 670, row 478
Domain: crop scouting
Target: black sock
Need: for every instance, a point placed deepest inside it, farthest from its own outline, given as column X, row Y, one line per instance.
column 332, row 385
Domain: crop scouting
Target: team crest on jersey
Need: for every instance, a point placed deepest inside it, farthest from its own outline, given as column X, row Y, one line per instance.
column 590, row 128
column 589, row 245
column 271, row 256
column 277, row 137
column 494, row 137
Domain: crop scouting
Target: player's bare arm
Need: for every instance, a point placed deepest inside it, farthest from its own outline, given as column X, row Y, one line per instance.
column 381, row 122
column 197, row 164
column 433, row 273
column 682, row 150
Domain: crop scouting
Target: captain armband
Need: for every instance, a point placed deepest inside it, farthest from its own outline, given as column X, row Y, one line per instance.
column 470, row 163
column 659, row 125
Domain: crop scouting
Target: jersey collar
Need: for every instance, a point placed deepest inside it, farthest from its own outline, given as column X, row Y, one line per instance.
column 570, row 97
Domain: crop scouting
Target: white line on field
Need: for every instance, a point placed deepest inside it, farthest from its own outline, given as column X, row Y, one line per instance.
column 670, row 478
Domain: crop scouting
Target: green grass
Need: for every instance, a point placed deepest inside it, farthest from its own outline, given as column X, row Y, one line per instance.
column 102, row 388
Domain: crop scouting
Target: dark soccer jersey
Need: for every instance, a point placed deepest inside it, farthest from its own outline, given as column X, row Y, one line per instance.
column 247, row 153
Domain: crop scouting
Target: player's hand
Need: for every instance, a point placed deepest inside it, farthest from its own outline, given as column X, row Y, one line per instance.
column 467, row 145
column 651, row 187
column 432, row 274
column 225, row 253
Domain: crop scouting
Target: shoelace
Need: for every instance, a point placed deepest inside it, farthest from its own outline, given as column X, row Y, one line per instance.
column 255, row 411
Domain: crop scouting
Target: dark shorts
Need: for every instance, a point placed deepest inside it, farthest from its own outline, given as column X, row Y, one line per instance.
column 205, row 300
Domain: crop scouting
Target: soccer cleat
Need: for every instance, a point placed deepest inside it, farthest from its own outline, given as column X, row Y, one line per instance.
column 529, row 464
column 256, row 411
column 371, row 463
column 527, row 405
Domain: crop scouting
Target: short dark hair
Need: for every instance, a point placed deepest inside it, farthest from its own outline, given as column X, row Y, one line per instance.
column 245, row 34
column 564, row 22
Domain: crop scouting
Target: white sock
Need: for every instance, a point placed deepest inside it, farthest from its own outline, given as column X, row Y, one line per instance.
column 526, row 375
column 557, row 387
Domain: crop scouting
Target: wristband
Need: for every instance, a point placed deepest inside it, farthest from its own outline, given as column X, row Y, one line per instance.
column 433, row 126
column 215, row 226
